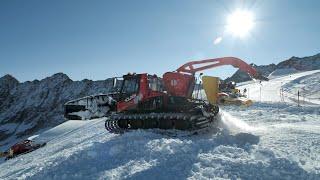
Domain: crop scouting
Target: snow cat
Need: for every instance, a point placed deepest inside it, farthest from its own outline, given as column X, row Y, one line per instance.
column 146, row 101
column 21, row 148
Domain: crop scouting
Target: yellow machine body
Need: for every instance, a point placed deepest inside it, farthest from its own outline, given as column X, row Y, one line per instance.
column 211, row 87
column 240, row 101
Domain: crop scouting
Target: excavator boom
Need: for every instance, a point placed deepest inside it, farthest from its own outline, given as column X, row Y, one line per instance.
column 191, row 67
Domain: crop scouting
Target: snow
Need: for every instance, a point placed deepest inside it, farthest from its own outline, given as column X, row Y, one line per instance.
column 60, row 131
column 308, row 86
column 268, row 140
column 282, row 72
column 270, row 90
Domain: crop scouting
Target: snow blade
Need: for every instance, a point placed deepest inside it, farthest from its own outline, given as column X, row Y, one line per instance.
column 90, row 107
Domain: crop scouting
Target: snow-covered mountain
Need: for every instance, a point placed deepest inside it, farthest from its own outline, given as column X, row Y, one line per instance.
column 272, row 139
column 29, row 107
column 302, row 64
column 299, row 64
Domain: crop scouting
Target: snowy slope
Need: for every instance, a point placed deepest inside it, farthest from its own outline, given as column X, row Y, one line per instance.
column 309, row 87
column 269, row 140
column 282, row 72
column 291, row 83
column 262, row 145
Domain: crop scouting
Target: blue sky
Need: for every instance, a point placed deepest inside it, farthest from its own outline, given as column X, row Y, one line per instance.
column 100, row 39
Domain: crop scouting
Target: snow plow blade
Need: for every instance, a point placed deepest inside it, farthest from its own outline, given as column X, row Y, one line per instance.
column 90, row 107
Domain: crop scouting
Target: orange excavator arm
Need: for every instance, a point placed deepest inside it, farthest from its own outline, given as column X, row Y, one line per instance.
column 191, row 67
column 182, row 82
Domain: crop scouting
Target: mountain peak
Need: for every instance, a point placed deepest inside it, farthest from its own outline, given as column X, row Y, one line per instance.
column 59, row 76
column 8, row 79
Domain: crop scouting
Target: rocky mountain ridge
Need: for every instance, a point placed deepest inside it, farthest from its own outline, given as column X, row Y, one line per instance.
column 29, row 107
column 301, row 64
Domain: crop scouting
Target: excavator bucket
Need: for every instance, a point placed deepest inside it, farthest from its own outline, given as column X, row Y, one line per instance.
column 211, row 88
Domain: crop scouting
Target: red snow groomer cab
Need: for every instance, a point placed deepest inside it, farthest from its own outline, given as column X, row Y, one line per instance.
column 146, row 101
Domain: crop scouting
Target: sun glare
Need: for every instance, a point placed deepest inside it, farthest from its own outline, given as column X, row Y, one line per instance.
column 240, row 23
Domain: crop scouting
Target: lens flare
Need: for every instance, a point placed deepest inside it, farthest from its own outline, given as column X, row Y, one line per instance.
column 240, row 23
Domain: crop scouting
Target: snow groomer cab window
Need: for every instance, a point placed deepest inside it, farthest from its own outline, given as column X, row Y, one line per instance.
column 130, row 85
column 155, row 83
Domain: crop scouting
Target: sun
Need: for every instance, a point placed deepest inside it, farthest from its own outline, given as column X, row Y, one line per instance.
column 240, row 23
